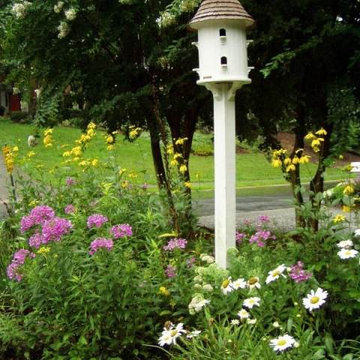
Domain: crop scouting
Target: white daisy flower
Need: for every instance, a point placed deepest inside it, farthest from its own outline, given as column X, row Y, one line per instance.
column 315, row 299
column 253, row 282
column 251, row 321
column 345, row 244
column 239, row 284
column 275, row 274
column 243, row 314
column 251, row 302
column 345, row 254
column 226, row 286
column 357, row 232
column 170, row 335
column 193, row 334
column 235, row 322
column 282, row 343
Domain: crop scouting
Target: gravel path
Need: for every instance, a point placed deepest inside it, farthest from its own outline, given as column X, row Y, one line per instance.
column 280, row 219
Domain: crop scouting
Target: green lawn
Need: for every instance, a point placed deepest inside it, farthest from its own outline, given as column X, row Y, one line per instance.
column 252, row 169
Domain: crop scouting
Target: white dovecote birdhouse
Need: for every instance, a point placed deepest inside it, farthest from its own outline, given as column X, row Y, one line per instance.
column 222, row 44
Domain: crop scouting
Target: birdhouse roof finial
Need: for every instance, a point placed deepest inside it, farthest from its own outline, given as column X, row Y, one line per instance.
column 221, row 9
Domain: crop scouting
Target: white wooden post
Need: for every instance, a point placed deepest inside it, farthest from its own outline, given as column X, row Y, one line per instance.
column 225, row 168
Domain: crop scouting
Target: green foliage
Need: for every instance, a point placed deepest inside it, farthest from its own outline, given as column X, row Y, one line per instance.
column 18, row 116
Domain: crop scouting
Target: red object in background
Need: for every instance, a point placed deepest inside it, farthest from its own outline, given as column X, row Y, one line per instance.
column 14, row 103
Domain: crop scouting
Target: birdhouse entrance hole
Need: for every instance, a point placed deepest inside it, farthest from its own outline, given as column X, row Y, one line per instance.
column 223, row 60
column 222, row 32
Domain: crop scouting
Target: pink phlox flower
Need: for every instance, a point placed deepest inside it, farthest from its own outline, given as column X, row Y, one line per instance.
column 239, row 237
column 38, row 215
column 54, row 229
column 96, row 220
column 176, row 243
column 36, row 240
column 18, row 260
column 101, row 243
column 121, row 230
column 264, row 219
column 260, row 237
column 170, row 271
column 298, row 274
column 69, row 209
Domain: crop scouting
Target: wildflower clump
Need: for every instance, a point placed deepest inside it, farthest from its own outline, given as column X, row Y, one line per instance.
column 121, row 231
column 288, row 163
column 38, row 216
column 48, row 139
column 298, row 274
column 316, row 140
column 101, row 243
column 13, row 271
column 96, row 220
column 19, row 9
column 176, row 243
column 134, row 132
column 9, row 155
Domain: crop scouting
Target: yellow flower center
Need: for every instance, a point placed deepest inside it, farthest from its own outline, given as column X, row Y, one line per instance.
column 253, row 281
column 281, row 342
column 276, row 273
column 314, row 299
column 173, row 332
column 225, row 283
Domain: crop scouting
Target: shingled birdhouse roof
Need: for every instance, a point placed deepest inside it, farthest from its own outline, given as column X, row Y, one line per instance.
column 221, row 9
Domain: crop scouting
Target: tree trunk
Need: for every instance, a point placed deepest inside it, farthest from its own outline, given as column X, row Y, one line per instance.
column 295, row 175
column 317, row 182
column 161, row 160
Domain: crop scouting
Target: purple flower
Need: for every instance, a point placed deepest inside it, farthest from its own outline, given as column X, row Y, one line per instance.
column 121, row 230
column 12, row 272
column 18, row 260
column 170, row 271
column 69, row 209
column 264, row 218
column 298, row 274
column 260, row 237
column 38, row 215
column 36, row 240
column 20, row 256
column 54, row 229
column 176, row 243
column 70, row 181
column 239, row 237
column 96, row 220
column 101, row 243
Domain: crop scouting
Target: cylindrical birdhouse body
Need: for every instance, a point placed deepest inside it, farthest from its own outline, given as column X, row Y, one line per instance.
column 222, row 45
column 222, row 52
